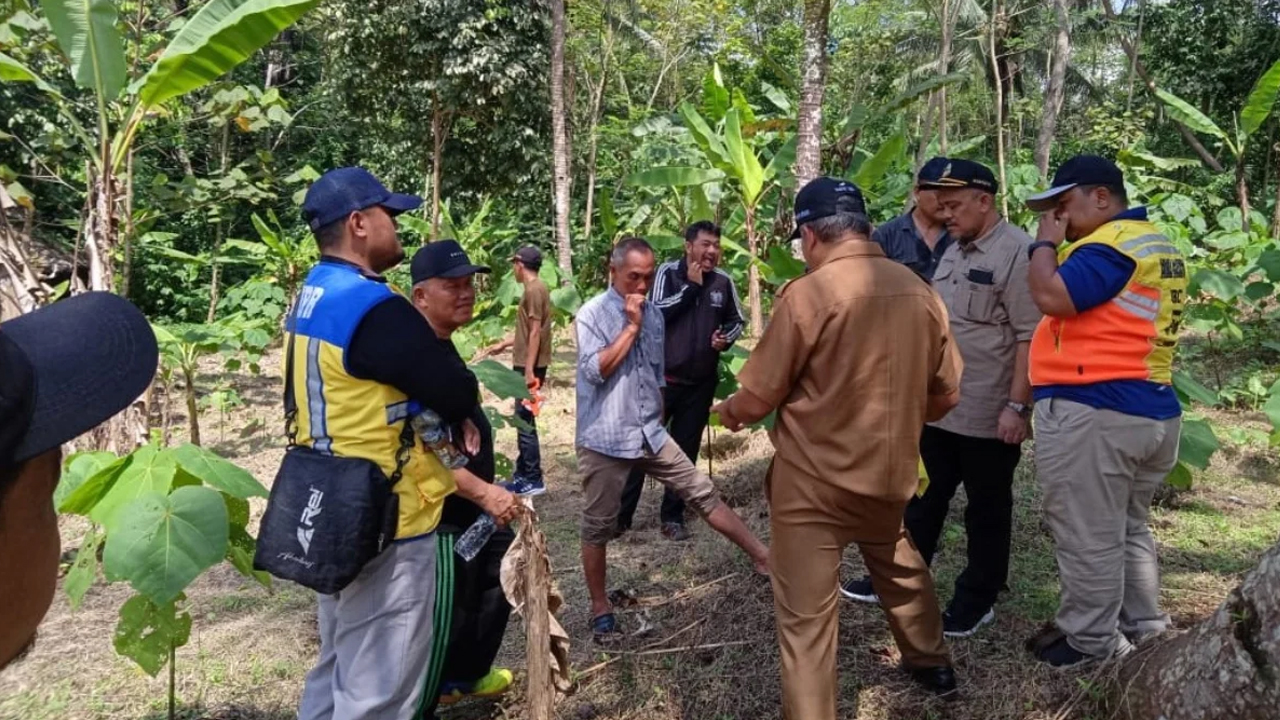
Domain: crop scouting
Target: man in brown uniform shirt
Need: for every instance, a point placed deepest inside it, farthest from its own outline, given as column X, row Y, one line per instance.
column 856, row 358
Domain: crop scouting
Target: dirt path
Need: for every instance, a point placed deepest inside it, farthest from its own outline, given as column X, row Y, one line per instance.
column 250, row 649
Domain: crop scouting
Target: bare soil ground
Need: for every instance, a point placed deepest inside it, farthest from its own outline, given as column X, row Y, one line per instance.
column 251, row 648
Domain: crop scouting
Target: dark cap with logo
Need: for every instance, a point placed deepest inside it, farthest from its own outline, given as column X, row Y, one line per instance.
column 68, row 367
column 960, row 173
column 342, row 191
column 529, row 256
column 931, row 171
column 442, row 259
column 1079, row 170
column 826, row 196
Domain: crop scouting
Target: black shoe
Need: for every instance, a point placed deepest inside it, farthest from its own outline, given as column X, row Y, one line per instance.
column 675, row 531
column 941, row 681
column 959, row 621
column 860, row 590
column 1050, row 647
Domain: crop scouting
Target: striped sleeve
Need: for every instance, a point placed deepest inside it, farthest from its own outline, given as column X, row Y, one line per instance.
column 734, row 317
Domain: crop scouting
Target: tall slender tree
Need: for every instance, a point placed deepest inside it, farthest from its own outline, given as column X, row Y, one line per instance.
column 1055, row 90
column 560, row 180
column 814, row 74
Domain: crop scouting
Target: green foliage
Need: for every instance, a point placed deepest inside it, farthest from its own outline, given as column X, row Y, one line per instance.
column 162, row 516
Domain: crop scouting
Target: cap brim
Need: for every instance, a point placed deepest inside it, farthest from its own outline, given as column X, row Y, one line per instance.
column 399, row 203
column 1047, row 200
column 92, row 355
column 464, row 270
column 942, row 184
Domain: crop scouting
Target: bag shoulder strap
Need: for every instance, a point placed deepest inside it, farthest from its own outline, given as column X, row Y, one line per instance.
column 290, row 398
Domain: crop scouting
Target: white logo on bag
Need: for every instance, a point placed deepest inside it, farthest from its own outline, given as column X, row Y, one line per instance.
column 306, row 530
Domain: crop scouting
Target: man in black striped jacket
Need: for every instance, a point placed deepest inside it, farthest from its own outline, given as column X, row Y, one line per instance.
column 703, row 319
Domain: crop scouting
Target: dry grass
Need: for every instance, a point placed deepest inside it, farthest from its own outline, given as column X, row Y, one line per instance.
column 250, row 649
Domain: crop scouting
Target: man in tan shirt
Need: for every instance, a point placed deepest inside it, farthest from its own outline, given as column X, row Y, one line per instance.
column 856, row 357
column 982, row 279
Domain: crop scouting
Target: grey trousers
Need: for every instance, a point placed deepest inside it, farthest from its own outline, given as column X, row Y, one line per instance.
column 1099, row 470
column 375, row 639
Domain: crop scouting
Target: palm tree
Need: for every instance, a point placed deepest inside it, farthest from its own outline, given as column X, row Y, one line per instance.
column 560, row 181
column 813, row 71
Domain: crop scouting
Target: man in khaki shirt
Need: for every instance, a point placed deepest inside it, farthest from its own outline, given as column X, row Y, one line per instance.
column 982, row 279
column 856, row 357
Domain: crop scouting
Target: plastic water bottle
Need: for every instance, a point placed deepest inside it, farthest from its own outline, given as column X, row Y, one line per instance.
column 428, row 425
column 470, row 542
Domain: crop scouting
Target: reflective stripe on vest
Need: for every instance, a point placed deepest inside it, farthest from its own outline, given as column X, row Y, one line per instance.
column 1131, row 337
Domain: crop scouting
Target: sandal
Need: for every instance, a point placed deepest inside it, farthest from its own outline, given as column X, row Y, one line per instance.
column 604, row 628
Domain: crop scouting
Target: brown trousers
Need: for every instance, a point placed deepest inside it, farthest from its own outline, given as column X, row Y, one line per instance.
column 812, row 523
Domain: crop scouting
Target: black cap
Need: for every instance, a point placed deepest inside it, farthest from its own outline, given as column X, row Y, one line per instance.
column 340, row 192
column 67, row 368
column 443, row 259
column 932, row 170
column 529, row 256
column 960, row 173
column 1079, row 170
column 825, row 196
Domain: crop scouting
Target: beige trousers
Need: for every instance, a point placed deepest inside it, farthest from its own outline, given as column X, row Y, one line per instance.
column 1099, row 470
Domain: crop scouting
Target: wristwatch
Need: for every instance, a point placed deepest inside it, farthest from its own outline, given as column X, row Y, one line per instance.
column 1033, row 247
column 1022, row 409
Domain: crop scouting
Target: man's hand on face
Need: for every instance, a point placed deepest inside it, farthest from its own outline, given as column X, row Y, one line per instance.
column 1052, row 226
column 694, row 269
column 719, row 341
column 635, row 309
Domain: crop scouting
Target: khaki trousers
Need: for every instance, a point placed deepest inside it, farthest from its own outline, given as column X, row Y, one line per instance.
column 1099, row 470
column 812, row 523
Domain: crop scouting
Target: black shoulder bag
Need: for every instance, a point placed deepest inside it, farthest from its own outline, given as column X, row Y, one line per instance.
column 327, row 516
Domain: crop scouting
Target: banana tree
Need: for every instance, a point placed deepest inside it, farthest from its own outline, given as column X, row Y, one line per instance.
column 1257, row 108
column 219, row 37
column 735, row 160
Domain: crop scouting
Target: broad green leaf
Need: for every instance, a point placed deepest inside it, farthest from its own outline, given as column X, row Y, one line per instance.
column 964, row 147
column 1219, row 284
column 1179, row 207
column 218, row 473
column 715, row 97
column 1272, row 406
column 85, row 568
column 13, row 71
column 858, row 116
column 566, row 299
column 705, row 137
column 1269, row 262
column 923, row 88
column 1259, row 291
column 1191, row 388
column 746, row 114
column 77, row 469
column 223, row 34
column 88, row 494
column 608, row 217
column 240, row 549
column 874, row 167
column 777, row 97
column 742, row 155
column 783, row 160
column 152, row 471
column 1183, row 112
column 674, row 177
column 782, row 265
column 86, row 32
column 163, row 542
column 1180, row 476
column 500, row 380
column 664, row 243
column 1198, row 443
column 1262, row 98
column 147, row 630
column 699, row 206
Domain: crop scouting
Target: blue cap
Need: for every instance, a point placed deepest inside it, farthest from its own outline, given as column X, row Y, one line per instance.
column 342, row 191
column 932, row 170
column 443, row 259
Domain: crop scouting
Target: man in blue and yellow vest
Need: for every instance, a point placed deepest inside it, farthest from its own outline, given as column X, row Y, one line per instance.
column 362, row 354
column 1107, row 419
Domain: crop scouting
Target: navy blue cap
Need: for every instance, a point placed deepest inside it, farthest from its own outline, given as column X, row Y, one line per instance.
column 1079, row 170
column 443, row 259
column 931, row 171
column 342, row 191
column 961, row 173
column 826, row 196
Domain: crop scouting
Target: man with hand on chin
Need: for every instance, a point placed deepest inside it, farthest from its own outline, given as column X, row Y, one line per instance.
column 703, row 318
column 619, row 386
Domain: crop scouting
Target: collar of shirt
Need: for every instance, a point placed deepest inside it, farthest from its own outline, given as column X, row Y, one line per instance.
column 343, row 261
column 972, row 245
column 854, row 248
column 1133, row 213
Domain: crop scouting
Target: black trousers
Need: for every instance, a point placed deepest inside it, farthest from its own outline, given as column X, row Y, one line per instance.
column 529, row 461
column 686, row 411
column 985, row 466
column 478, row 613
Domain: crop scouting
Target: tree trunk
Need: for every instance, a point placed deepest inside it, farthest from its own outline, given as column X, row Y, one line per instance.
column 537, row 577
column 992, row 32
column 560, row 181
column 1242, row 191
column 1275, row 217
column 437, row 163
column 597, row 102
column 926, row 134
column 753, row 276
column 814, row 73
column 1225, row 667
column 944, row 66
column 1189, row 137
column 1056, row 88
column 193, row 416
column 220, row 229
column 127, row 273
